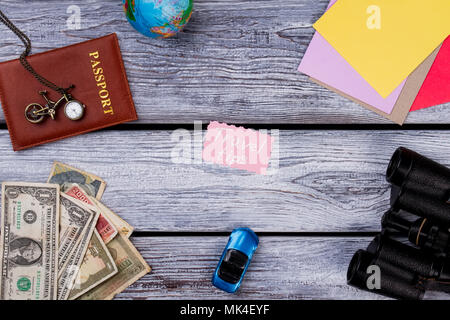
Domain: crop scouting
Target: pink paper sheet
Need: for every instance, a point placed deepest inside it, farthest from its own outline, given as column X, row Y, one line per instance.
column 237, row 147
column 322, row 62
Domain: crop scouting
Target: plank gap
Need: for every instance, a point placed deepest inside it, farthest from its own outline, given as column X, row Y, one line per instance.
column 149, row 234
column 285, row 126
column 279, row 126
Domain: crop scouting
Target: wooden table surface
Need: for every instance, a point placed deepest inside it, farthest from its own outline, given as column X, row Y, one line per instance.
column 235, row 62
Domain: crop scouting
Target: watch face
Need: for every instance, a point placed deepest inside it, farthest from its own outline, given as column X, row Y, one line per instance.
column 74, row 110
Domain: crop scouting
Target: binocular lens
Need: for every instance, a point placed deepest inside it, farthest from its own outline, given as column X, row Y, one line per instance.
column 357, row 270
column 400, row 166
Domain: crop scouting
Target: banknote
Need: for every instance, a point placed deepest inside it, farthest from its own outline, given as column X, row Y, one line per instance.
column 121, row 225
column 29, row 241
column 65, row 175
column 104, row 226
column 97, row 267
column 131, row 267
column 74, row 222
column 71, row 269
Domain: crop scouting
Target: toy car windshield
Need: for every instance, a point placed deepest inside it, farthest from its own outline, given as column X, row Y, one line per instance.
column 233, row 266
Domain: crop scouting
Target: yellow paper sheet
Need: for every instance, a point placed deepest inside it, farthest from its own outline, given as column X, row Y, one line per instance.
column 385, row 40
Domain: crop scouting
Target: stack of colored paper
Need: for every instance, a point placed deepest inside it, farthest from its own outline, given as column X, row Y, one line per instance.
column 389, row 56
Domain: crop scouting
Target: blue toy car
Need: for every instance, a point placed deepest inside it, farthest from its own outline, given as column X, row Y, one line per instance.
column 235, row 260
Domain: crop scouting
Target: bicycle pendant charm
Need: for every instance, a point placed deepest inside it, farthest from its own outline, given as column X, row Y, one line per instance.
column 36, row 113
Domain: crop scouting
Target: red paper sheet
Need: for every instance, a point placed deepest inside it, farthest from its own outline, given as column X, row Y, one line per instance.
column 436, row 87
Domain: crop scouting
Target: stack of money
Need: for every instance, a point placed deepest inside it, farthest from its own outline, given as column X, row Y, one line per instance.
column 58, row 241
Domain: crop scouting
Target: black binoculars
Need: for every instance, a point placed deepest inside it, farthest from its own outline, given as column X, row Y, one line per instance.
column 420, row 212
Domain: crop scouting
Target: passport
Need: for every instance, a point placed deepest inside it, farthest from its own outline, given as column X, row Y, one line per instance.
column 96, row 69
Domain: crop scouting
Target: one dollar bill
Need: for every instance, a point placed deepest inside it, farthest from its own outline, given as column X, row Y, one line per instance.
column 29, row 241
column 74, row 221
column 68, row 274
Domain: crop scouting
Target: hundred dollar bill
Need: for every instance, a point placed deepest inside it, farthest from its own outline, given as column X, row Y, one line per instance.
column 65, row 175
column 74, row 222
column 104, row 226
column 121, row 225
column 97, row 267
column 29, row 241
column 131, row 268
column 69, row 272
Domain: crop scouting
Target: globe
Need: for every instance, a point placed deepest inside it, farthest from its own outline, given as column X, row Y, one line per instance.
column 158, row 18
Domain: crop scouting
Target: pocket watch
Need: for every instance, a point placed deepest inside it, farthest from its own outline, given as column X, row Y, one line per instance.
column 74, row 110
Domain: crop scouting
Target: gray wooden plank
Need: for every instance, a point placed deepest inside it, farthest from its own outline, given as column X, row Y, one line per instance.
column 327, row 181
column 282, row 268
column 235, row 62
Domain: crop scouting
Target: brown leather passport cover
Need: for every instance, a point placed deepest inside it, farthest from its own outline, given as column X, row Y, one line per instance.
column 96, row 69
